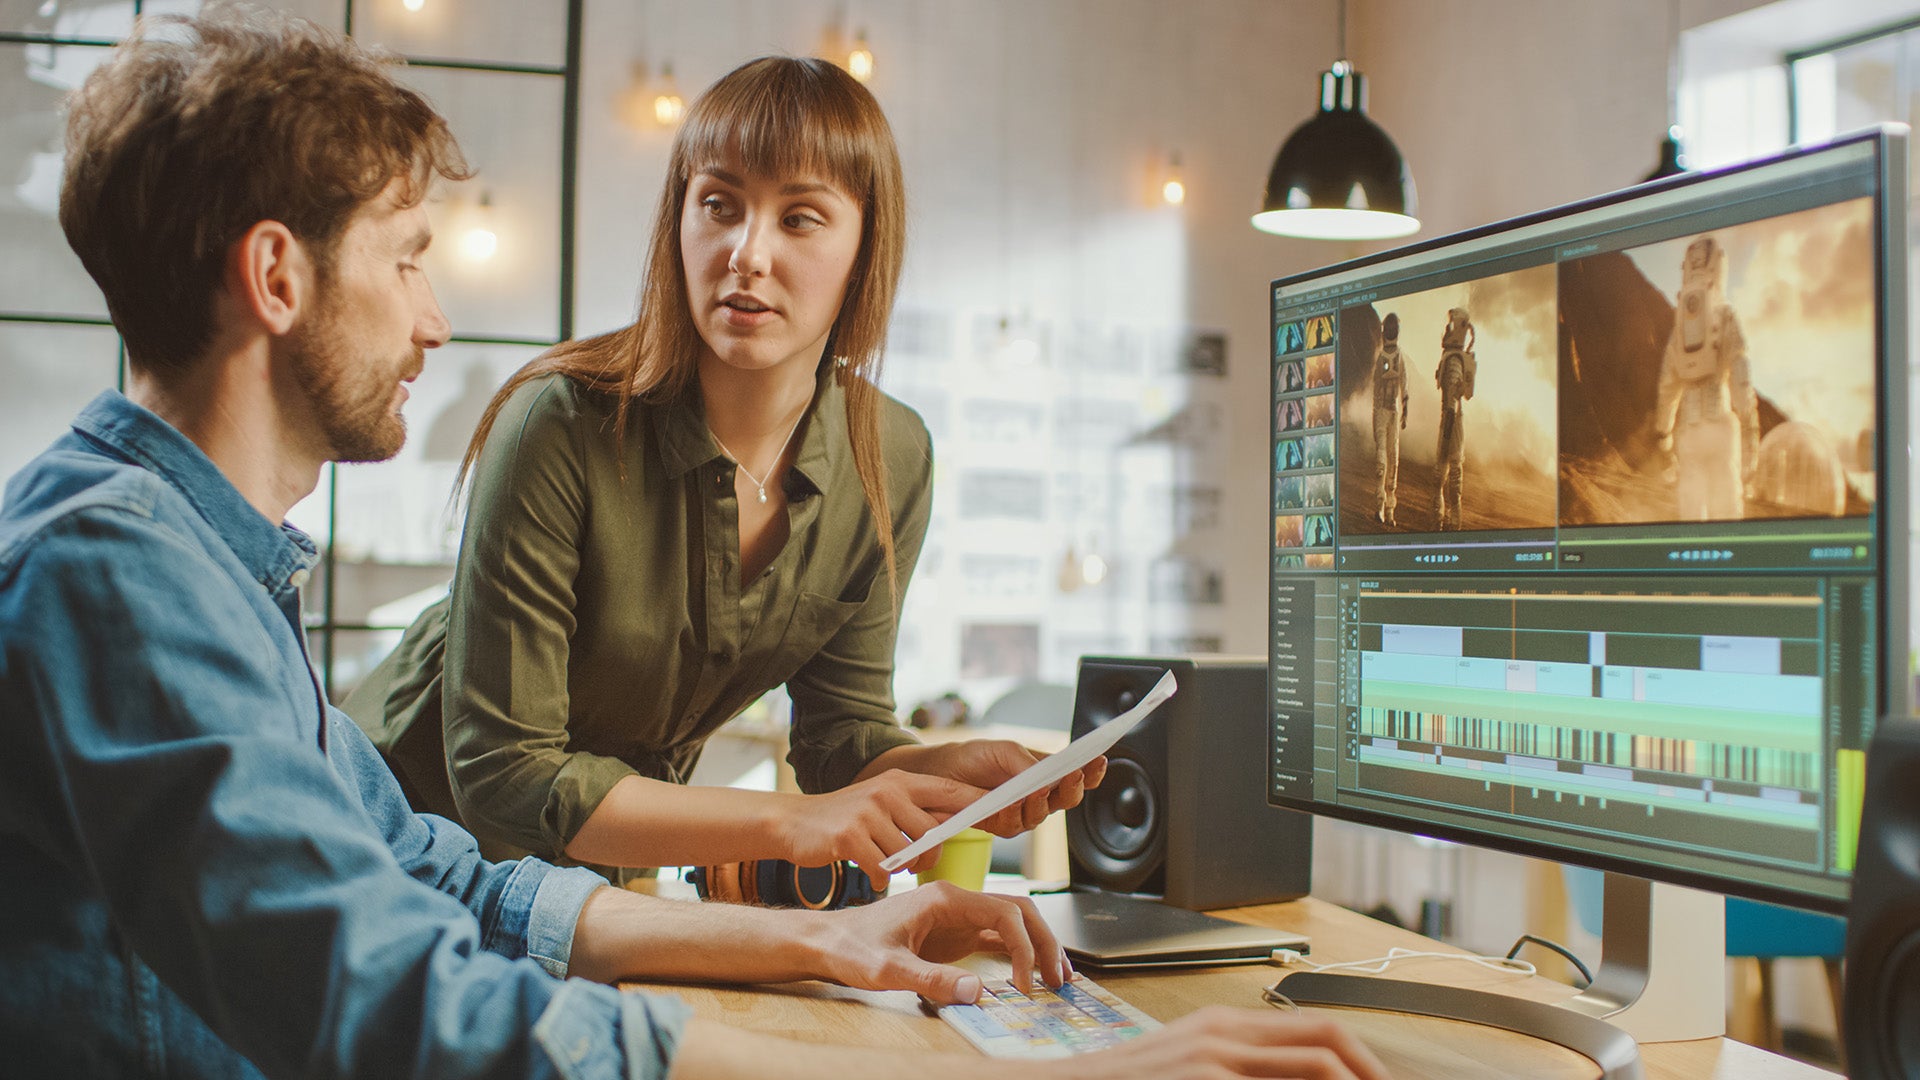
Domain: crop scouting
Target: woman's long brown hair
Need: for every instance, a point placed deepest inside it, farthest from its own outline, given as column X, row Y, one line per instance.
column 775, row 116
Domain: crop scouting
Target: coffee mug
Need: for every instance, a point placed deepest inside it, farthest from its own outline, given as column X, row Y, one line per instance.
column 964, row 859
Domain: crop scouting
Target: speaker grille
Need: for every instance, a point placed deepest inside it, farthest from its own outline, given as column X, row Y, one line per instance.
column 1117, row 837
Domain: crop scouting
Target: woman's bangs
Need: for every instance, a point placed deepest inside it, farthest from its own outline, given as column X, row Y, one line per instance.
column 781, row 130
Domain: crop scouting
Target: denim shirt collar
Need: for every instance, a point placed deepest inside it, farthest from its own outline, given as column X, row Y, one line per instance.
column 273, row 554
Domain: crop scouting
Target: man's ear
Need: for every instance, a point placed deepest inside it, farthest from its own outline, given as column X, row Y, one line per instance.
column 270, row 276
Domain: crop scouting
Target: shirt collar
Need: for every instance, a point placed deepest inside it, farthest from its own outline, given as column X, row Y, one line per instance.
column 686, row 444
column 271, row 553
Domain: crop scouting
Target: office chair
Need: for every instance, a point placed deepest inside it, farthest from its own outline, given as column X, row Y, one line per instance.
column 1043, row 705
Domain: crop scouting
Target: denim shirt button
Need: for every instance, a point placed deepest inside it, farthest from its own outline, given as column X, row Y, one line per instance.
column 299, row 578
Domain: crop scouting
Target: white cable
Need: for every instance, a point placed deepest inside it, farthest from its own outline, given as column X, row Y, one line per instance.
column 1380, row 964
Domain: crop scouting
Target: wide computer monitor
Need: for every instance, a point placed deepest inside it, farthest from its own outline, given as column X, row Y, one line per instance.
column 1589, row 527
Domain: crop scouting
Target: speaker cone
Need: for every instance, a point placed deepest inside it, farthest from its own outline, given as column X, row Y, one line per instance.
column 1112, row 696
column 1122, row 813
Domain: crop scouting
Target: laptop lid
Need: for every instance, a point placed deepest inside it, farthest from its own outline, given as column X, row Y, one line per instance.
column 1114, row 930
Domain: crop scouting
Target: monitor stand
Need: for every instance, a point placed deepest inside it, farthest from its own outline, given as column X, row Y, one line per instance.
column 1662, row 978
column 1663, row 971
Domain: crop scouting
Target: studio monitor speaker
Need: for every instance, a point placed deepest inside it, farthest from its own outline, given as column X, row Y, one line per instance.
column 1183, row 812
column 1882, row 1021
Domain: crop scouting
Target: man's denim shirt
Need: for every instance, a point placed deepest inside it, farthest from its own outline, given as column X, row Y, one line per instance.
column 205, row 870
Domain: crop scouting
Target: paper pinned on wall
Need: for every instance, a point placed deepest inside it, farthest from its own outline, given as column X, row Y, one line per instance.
column 1042, row 774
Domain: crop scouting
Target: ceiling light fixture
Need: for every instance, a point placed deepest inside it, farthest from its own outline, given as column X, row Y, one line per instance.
column 479, row 242
column 1339, row 176
column 1175, row 189
column 668, row 108
column 860, row 60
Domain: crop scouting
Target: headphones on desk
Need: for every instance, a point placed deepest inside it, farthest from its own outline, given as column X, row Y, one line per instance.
column 779, row 883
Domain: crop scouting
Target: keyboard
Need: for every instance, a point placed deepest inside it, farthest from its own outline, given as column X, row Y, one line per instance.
column 1080, row 1016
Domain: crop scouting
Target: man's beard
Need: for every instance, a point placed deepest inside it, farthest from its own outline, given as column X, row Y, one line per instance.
column 352, row 399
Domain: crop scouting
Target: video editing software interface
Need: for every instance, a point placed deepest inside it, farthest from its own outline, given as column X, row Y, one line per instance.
column 1574, row 528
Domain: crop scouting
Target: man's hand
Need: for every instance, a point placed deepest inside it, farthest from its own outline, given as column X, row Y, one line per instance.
column 1211, row 1044
column 869, row 820
column 1223, row 1041
column 908, row 942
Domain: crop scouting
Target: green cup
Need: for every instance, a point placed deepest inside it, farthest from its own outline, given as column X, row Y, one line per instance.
column 963, row 860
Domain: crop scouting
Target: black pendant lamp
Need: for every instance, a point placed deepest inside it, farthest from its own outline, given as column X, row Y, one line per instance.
column 1673, row 159
column 1339, row 176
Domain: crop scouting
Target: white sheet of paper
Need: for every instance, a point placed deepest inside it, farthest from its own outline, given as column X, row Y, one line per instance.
column 1038, row 776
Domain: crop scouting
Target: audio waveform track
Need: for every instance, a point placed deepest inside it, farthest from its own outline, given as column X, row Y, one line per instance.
column 1476, row 738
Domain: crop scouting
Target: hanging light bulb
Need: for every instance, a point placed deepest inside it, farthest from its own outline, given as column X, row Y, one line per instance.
column 1016, row 346
column 860, row 60
column 479, row 242
column 413, row 5
column 1175, row 189
column 1093, row 569
column 667, row 106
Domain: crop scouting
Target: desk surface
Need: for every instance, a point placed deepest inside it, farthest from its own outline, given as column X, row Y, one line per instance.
column 1412, row 1047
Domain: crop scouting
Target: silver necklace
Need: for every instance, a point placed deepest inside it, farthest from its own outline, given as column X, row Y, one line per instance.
column 759, row 484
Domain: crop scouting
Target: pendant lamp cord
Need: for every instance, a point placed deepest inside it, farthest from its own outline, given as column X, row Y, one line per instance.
column 1341, row 32
column 1673, row 64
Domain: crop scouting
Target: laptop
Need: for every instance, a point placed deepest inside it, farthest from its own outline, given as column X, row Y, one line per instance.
column 1105, row 929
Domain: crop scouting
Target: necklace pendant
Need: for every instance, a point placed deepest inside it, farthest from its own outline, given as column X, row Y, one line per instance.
column 763, row 495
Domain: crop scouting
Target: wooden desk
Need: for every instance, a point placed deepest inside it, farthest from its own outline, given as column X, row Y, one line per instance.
column 1412, row 1047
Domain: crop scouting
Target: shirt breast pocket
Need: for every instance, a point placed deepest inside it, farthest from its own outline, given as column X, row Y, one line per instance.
column 816, row 620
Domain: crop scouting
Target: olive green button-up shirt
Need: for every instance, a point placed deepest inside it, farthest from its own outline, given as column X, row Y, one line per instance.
column 597, row 626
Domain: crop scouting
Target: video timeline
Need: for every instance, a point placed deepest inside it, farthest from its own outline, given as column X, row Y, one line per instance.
column 1609, row 712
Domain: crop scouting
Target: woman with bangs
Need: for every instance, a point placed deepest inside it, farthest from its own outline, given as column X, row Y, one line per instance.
column 669, row 520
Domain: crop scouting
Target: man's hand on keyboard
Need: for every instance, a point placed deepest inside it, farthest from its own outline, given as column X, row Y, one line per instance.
column 1224, row 1041
column 908, row 942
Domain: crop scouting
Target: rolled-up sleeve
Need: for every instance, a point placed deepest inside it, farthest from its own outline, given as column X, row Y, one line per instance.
column 525, row 908
column 316, row 932
column 648, row 1027
column 506, row 699
column 843, row 704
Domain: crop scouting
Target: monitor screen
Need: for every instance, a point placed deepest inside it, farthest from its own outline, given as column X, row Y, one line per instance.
column 1589, row 527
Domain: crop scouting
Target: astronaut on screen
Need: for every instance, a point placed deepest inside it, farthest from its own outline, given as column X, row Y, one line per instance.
column 1705, row 413
column 1389, row 417
column 1454, row 377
